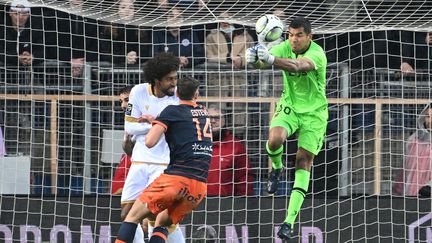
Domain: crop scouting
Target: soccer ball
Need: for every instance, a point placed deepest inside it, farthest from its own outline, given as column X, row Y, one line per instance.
column 269, row 28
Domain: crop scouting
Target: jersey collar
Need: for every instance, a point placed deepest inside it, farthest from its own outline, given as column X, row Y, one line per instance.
column 150, row 89
column 304, row 51
column 191, row 103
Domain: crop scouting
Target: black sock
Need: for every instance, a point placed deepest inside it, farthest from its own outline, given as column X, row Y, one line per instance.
column 126, row 232
column 160, row 235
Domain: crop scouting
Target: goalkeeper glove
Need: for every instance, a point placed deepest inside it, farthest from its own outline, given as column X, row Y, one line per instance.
column 251, row 55
column 264, row 55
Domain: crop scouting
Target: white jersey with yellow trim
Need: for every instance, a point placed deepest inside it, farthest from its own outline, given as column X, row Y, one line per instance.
column 143, row 102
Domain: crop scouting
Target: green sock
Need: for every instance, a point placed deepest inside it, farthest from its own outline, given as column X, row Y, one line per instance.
column 298, row 193
column 275, row 156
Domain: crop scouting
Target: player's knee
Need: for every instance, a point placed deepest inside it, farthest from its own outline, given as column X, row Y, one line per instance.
column 302, row 164
column 304, row 160
column 277, row 137
column 275, row 143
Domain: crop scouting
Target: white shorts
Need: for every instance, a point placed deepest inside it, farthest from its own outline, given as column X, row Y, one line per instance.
column 140, row 176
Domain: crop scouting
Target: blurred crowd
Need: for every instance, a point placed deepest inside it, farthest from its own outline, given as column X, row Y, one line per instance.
column 32, row 35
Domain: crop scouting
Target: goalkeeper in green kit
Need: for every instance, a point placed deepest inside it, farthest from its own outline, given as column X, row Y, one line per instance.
column 302, row 108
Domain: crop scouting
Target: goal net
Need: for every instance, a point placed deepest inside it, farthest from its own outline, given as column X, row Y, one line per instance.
column 63, row 64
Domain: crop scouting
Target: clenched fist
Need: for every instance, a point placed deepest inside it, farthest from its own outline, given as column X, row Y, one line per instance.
column 264, row 55
column 251, row 55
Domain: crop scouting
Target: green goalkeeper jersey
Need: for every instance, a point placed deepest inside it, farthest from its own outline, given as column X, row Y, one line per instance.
column 304, row 91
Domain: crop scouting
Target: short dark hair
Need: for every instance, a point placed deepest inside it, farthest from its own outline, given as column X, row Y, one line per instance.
column 126, row 89
column 159, row 66
column 186, row 87
column 299, row 22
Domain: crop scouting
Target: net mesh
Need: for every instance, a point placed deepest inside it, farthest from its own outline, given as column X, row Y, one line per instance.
column 62, row 124
column 326, row 16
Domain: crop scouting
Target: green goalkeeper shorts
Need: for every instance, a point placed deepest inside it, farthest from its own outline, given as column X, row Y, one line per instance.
column 311, row 126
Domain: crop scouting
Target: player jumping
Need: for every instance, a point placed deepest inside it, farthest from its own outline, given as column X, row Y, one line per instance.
column 302, row 108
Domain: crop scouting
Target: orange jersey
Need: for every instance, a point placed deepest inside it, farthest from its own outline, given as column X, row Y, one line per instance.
column 188, row 134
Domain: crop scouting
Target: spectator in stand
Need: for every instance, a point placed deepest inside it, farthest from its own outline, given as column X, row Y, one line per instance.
column 145, row 45
column 419, row 54
column 138, row 39
column 377, row 49
column 226, row 47
column 126, row 9
column 128, row 144
column 279, row 11
column 129, row 44
column 21, row 39
column 335, row 45
column 75, row 43
column 192, row 6
column 131, row 34
column 139, row 47
column 417, row 171
column 230, row 173
column 181, row 41
column 67, row 36
column 227, row 44
column 116, row 44
column 373, row 55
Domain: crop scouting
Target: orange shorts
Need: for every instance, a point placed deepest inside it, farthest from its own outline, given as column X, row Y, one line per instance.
column 178, row 194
